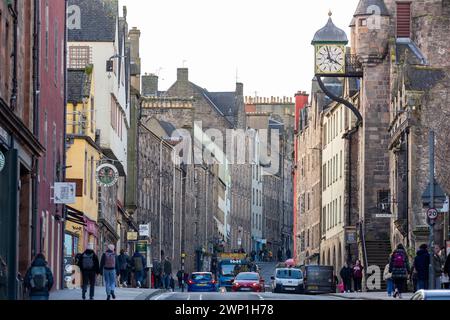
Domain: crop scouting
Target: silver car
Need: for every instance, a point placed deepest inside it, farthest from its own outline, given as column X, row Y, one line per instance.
column 431, row 295
column 288, row 280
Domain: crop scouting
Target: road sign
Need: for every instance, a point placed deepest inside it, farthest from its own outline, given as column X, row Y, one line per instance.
column 432, row 213
column 132, row 236
column 144, row 230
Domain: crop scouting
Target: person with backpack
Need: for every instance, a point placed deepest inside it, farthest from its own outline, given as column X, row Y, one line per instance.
column 421, row 268
column 399, row 267
column 124, row 265
column 357, row 273
column 39, row 279
column 109, row 268
column 346, row 276
column 90, row 268
column 138, row 265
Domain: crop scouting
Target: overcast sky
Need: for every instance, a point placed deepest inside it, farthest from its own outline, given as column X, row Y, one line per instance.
column 266, row 43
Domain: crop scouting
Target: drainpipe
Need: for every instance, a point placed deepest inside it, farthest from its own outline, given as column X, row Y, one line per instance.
column 407, row 185
column 13, row 11
column 36, row 118
column 64, row 165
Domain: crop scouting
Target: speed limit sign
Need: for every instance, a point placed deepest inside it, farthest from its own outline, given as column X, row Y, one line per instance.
column 432, row 214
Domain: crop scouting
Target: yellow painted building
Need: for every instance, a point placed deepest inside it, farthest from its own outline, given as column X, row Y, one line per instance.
column 83, row 155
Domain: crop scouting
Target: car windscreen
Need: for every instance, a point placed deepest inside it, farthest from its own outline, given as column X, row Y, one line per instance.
column 247, row 277
column 227, row 270
column 289, row 274
column 202, row 277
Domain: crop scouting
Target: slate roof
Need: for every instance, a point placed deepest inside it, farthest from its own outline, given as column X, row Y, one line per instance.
column 223, row 102
column 330, row 33
column 366, row 7
column 98, row 20
column 78, row 85
column 168, row 127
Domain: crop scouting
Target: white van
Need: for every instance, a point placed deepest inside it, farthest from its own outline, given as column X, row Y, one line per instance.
column 288, row 280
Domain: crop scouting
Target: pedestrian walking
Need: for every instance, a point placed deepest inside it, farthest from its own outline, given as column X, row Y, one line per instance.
column 447, row 270
column 436, row 263
column 420, row 269
column 172, row 283
column 346, row 276
column 90, row 268
column 39, row 279
column 167, row 272
column 138, row 265
column 158, row 274
column 124, row 267
column 399, row 267
column 387, row 276
column 288, row 254
column 358, row 275
column 109, row 268
column 280, row 255
column 180, row 279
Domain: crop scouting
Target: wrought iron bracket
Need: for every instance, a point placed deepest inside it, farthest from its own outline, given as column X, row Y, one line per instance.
column 346, row 103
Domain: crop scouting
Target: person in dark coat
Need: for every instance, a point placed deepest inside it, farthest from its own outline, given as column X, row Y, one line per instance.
column 124, row 267
column 158, row 274
column 167, row 273
column 447, row 269
column 138, row 265
column 346, row 276
column 39, row 279
column 358, row 275
column 421, row 268
column 399, row 267
column 288, row 254
column 90, row 268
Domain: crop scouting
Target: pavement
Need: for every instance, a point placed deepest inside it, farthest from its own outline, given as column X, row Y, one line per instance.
column 370, row 296
column 100, row 294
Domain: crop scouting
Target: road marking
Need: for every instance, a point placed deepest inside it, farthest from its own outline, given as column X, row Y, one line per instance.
column 165, row 295
column 201, row 297
column 260, row 297
column 189, row 297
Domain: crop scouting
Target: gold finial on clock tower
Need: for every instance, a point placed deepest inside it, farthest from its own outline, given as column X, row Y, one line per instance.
column 330, row 13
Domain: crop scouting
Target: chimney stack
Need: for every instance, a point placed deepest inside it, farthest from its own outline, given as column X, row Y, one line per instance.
column 183, row 74
column 150, row 85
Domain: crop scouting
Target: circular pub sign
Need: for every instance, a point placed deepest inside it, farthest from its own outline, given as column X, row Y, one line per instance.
column 107, row 175
column 2, row 161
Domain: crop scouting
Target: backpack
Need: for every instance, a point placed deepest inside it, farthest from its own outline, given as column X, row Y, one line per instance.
column 110, row 260
column 88, row 262
column 399, row 260
column 39, row 281
column 138, row 265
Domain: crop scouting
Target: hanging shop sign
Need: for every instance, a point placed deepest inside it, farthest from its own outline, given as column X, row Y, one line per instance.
column 64, row 192
column 107, row 175
column 2, row 161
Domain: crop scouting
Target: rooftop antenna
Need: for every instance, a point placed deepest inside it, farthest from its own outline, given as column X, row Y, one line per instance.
column 237, row 75
column 184, row 63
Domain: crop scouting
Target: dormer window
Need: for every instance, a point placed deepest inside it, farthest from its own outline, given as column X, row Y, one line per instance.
column 403, row 19
column 363, row 22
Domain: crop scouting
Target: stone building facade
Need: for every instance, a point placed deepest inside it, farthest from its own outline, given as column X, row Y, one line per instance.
column 204, row 115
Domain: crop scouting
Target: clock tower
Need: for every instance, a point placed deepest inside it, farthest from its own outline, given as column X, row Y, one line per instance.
column 330, row 50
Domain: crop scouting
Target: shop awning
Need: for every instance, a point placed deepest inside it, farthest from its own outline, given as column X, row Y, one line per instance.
column 75, row 216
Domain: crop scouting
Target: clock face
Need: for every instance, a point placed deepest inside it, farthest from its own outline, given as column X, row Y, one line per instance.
column 330, row 59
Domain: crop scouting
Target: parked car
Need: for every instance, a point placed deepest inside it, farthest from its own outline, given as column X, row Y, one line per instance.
column 319, row 279
column 288, row 280
column 202, row 282
column 248, row 281
column 431, row 295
